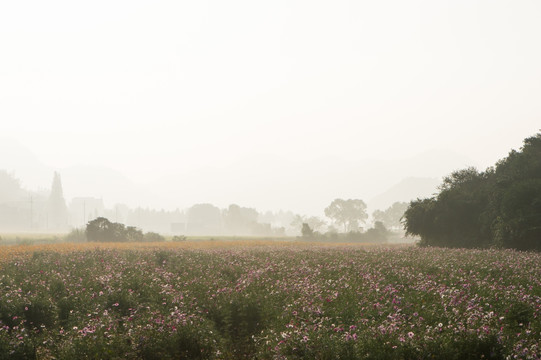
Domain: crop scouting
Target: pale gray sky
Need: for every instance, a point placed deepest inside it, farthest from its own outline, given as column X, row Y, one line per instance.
column 234, row 90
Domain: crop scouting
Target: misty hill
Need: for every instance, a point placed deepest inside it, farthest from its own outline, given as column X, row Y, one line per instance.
column 17, row 159
column 78, row 180
column 308, row 186
column 406, row 190
column 262, row 181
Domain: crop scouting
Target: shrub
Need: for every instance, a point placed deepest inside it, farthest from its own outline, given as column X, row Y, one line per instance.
column 39, row 312
column 76, row 235
column 134, row 234
column 153, row 237
column 102, row 230
column 519, row 315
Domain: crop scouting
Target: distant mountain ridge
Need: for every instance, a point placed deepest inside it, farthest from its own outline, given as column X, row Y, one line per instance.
column 78, row 181
column 263, row 182
column 24, row 164
column 406, row 190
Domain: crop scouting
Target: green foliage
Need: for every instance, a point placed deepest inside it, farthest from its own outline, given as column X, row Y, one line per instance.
column 500, row 207
column 301, row 302
column 153, row 237
column 348, row 213
column 133, row 234
column 39, row 312
column 377, row 234
column 75, row 235
column 391, row 216
column 465, row 346
column 19, row 351
column 184, row 342
column 102, row 230
column 65, row 308
column 306, row 230
column 519, row 315
column 237, row 321
column 521, row 212
column 23, row 242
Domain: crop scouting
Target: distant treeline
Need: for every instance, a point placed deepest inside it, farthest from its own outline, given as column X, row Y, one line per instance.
column 47, row 211
column 500, row 207
column 377, row 234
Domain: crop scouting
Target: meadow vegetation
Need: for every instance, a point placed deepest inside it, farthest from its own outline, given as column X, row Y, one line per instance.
column 267, row 300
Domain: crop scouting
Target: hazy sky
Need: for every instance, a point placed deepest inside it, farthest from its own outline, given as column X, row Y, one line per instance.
column 156, row 88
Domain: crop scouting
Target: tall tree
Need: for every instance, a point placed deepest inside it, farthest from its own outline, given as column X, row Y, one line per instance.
column 10, row 188
column 58, row 213
column 347, row 213
column 315, row 223
column 392, row 215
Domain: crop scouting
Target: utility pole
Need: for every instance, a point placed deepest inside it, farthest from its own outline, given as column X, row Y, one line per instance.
column 84, row 212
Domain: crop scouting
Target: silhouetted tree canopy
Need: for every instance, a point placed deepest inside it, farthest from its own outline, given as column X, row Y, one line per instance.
column 306, row 230
column 377, row 234
column 392, row 215
column 499, row 207
column 315, row 223
column 103, row 230
column 10, row 188
column 58, row 211
column 347, row 213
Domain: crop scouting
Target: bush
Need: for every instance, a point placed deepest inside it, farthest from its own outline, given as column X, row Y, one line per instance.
column 76, row 235
column 519, row 315
column 134, row 234
column 153, row 237
column 39, row 312
column 102, row 230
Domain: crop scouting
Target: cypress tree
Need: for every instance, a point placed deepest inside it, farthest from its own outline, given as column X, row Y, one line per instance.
column 58, row 212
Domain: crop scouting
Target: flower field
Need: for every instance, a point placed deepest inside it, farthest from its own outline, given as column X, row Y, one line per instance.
column 268, row 301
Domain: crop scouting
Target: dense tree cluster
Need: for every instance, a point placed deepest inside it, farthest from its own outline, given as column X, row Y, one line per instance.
column 348, row 215
column 500, row 207
column 103, row 230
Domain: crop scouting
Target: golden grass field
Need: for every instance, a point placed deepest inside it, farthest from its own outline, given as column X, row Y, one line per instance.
column 8, row 252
